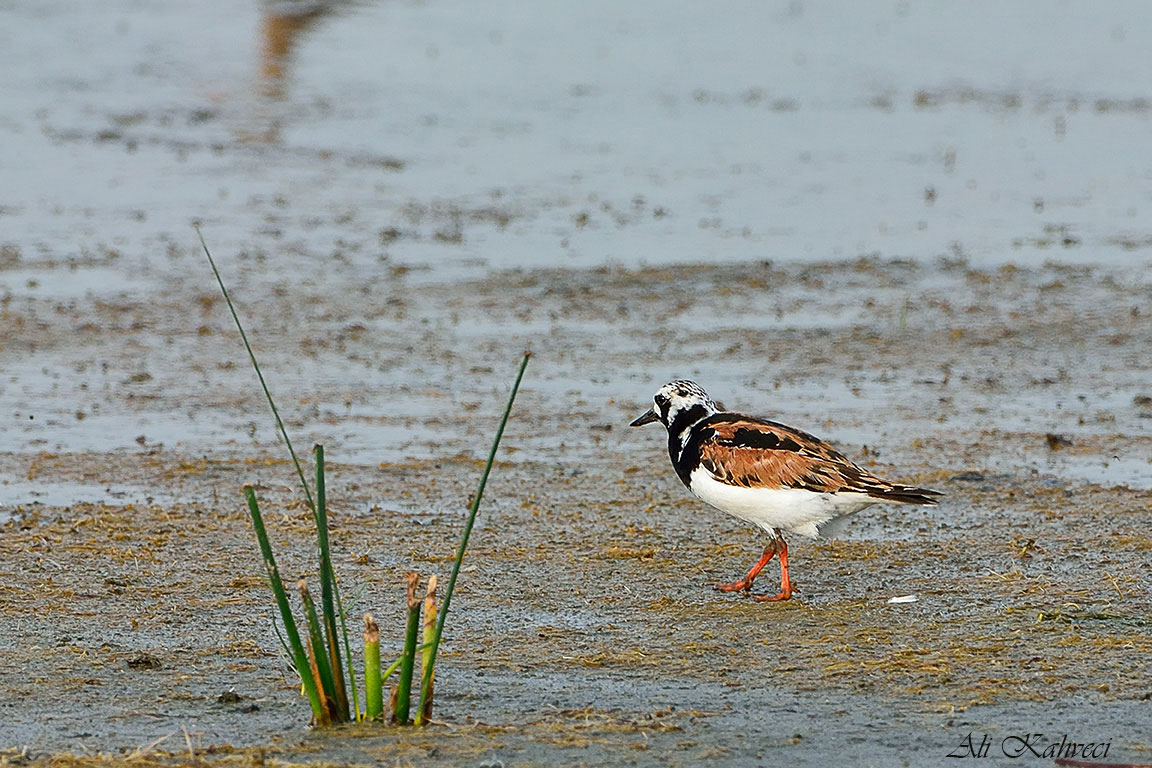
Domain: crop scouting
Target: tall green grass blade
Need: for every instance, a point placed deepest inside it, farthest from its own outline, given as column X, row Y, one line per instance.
column 280, row 637
column 328, row 585
column 427, row 673
column 256, row 366
column 347, row 651
column 408, row 658
column 299, row 655
column 323, row 668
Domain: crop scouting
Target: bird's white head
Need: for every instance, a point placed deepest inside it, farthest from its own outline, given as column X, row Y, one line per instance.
column 678, row 404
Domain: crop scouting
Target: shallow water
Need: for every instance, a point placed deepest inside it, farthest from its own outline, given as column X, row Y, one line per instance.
column 642, row 134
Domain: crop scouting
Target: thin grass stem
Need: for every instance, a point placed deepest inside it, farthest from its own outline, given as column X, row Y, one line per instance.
column 256, row 366
column 280, row 637
column 298, row 654
column 427, row 673
column 395, row 665
column 347, row 650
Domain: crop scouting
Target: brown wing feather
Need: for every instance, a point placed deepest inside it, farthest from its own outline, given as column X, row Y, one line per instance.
column 745, row 451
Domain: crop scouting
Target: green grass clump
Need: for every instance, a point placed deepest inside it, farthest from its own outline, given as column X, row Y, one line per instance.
column 326, row 674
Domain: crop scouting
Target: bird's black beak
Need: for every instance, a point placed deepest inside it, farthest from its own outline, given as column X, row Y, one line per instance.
column 647, row 418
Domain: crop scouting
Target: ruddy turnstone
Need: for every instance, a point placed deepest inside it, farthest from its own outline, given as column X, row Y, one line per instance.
column 771, row 475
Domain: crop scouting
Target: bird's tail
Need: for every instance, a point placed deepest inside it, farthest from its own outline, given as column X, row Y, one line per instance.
column 906, row 494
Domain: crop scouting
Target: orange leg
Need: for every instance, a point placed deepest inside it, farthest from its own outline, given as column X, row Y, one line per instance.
column 746, row 582
column 786, row 588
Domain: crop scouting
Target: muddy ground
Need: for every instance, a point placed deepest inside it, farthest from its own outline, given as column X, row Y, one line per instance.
column 918, row 230
column 585, row 631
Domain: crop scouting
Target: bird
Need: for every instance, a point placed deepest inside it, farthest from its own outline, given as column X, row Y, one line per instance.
column 765, row 473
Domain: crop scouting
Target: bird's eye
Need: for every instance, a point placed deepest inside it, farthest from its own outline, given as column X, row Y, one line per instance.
column 681, row 393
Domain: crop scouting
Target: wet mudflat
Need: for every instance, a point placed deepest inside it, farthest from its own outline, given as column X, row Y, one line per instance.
column 858, row 222
column 585, row 629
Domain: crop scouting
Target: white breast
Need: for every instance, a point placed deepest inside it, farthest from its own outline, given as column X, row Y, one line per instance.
column 792, row 510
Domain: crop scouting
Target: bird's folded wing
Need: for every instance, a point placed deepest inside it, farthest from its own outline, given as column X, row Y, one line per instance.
column 752, row 453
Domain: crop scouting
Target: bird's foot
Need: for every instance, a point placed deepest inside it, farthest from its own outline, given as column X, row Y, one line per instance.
column 734, row 586
column 783, row 594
